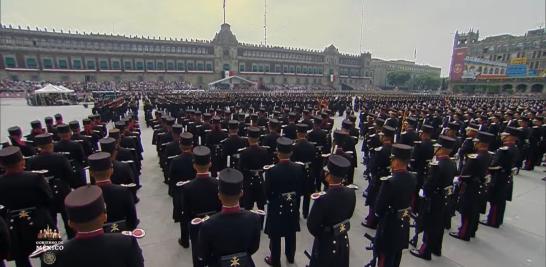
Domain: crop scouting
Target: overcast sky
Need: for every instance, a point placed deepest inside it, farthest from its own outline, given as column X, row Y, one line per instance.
column 393, row 29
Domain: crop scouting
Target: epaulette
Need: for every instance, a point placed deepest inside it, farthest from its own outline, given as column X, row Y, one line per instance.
column 266, row 147
column 349, row 152
column 300, row 163
column 404, row 132
column 491, row 152
column 241, row 149
column 317, row 195
column 504, row 148
column 494, row 168
column 434, row 163
column 417, row 142
column 352, row 186
column 469, row 138
column 181, row 183
column 131, row 185
column 385, row 178
column 326, row 155
column 267, row 167
column 378, row 148
column 172, row 157
column 472, row 156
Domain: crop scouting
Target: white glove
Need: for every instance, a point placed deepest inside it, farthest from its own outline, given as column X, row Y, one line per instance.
column 456, row 179
column 421, row 193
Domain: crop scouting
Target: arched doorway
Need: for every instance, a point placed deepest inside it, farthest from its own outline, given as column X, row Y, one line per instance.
column 507, row 88
column 521, row 88
column 537, row 88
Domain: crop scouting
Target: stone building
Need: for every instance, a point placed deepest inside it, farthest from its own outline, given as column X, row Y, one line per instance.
column 515, row 63
column 28, row 54
column 381, row 68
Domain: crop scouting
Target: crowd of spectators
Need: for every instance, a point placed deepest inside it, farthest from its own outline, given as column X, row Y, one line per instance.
column 9, row 86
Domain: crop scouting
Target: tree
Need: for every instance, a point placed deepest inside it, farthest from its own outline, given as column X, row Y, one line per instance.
column 398, row 78
column 426, row 82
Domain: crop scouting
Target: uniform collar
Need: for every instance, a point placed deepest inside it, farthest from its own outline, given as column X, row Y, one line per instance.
column 89, row 235
column 284, row 161
column 334, row 185
column 231, row 209
column 442, row 157
column 202, row 175
column 102, row 183
column 400, row 171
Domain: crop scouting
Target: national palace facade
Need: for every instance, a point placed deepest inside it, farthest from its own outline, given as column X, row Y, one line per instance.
column 33, row 54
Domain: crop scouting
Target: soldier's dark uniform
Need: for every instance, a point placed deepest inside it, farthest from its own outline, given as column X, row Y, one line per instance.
column 319, row 138
column 392, row 209
column 232, row 144
column 5, row 242
column 409, row 136
column 73, row 150
column 213, row 139
column 306, row 153
column 95, row 248
column 472, row 195
column 120, row 203
column 421, row 155
column 122, row 172
column 15, row 137
column 501, row 183
column 251, row 164
column 290, row 130
column 200, row 198
column 437, row 187
column 28, row 198
column 328, row 220
column 82, row 139
column 230, row 237
column 181, row 170
column 270, row 140
column 60, row 177
column 379, row 165
column 283, row 188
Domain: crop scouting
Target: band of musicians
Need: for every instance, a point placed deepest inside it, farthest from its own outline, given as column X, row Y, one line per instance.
column 240, row 168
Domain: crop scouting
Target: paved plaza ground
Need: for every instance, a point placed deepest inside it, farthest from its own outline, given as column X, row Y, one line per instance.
column 519, row 242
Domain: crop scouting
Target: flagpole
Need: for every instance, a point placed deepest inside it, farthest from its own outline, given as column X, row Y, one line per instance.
column 224, row 11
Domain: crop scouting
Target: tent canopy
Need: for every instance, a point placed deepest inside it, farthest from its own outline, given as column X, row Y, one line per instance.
column 232, row 80
column 53, row 89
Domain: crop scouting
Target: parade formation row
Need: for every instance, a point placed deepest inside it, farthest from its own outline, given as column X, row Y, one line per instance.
column 239, row 164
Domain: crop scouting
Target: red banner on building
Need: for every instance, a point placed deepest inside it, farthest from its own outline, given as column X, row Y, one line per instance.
column 457, row 64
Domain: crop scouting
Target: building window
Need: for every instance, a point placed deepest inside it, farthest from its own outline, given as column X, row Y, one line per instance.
column 180, row 66
column 241, row 67
column 190, row 65
column 291, row 69
column 31, row 63
column 116, row 65
column 254, row 68
column 127, row 65
column 90, row 65
column 150, row 65
column 160, row 65
column 209, row 67
column 103, row 64
column 200, row 66
column 77, row 64
column 9, row 62
column 298, row 69
column 170, row 65
column 139, row 65
column 63, row 63
column 278, row 69
column 285, row 69
column 260, row 68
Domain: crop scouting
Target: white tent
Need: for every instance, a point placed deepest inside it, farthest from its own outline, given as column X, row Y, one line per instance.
column 232, row 80
column 53, row 89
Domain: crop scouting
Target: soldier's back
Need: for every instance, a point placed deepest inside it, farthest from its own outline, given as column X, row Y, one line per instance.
column 108, row 250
